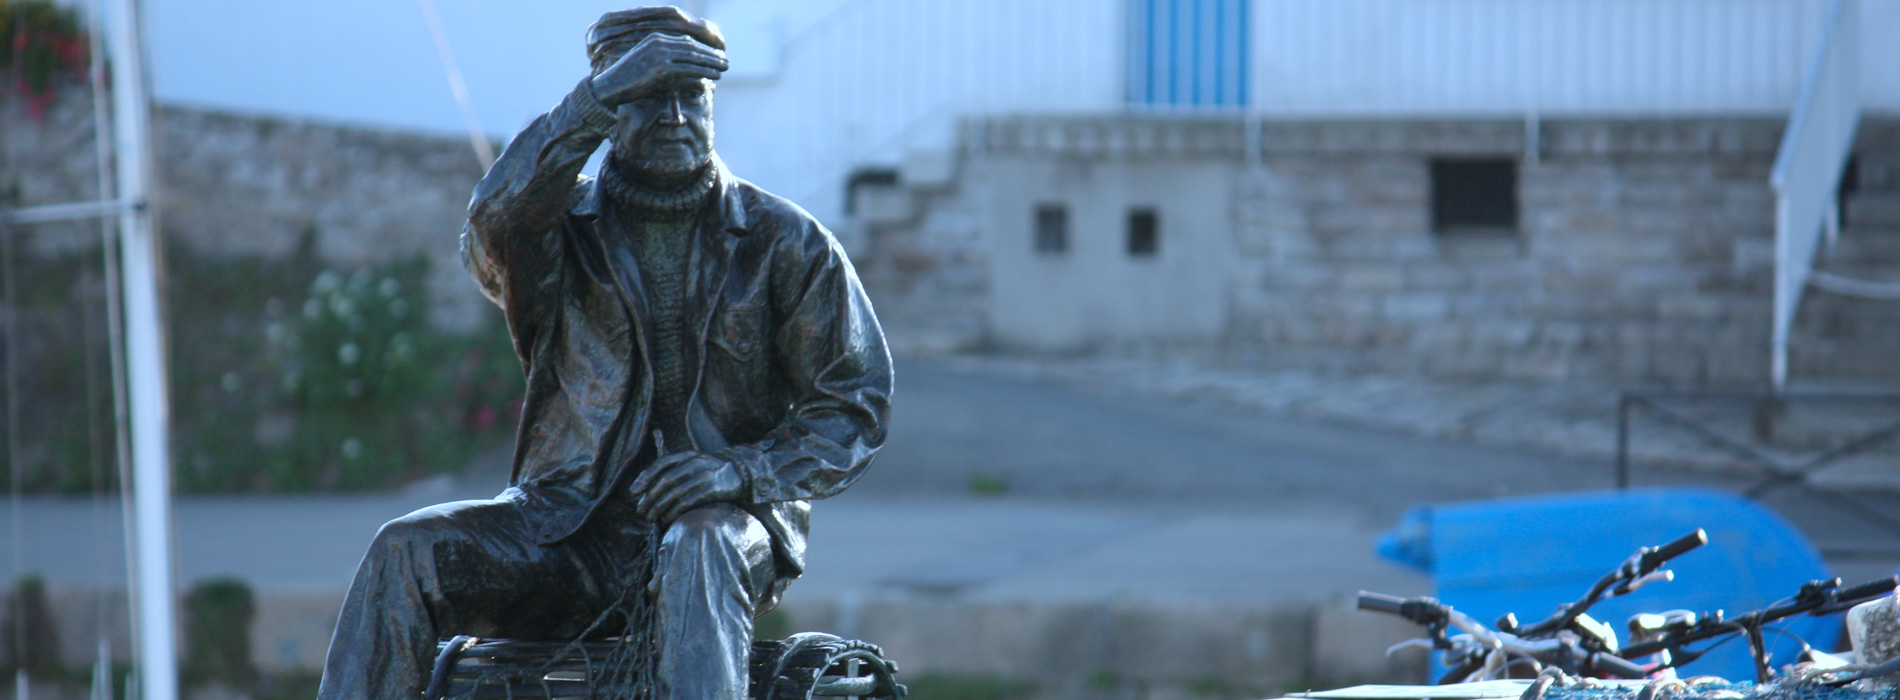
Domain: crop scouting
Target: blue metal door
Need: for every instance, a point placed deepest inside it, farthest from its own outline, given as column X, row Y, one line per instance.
column 1188, row 52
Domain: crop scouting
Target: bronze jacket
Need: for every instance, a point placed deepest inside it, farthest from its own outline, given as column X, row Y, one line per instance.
column 794, row 380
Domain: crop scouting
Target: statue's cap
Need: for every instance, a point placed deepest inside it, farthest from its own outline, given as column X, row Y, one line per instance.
column 617, row 31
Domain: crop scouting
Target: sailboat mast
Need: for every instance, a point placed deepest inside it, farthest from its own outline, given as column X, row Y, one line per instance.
column 145, row 358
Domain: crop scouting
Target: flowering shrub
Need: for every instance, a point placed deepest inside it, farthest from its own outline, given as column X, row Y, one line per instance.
column 285, row 376
column 336, row 383
column 44, row 45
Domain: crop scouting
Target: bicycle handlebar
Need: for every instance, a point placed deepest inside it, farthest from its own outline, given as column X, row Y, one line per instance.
column 1380, row 602
column 1816, row 598
column 1871, row 589
column 1654, row 559
column 1422, row 610
column 1623, row 580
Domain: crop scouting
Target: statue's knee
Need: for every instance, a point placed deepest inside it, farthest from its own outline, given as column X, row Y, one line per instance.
column 416, row 531
column 722, row 523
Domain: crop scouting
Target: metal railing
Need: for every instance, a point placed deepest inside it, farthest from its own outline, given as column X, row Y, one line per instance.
column 1766, row 468
column 1807, row 173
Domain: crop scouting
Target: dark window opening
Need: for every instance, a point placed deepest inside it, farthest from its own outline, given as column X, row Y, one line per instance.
column 1474, row 195
column 865, row 177
column 1144, row 232
column 1052, row 228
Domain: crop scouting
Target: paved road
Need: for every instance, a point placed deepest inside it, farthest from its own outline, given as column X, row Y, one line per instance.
column 1103, row 495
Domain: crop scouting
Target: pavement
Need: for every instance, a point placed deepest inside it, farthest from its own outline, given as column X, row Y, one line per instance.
column 1010, row 489
column 1572, row 420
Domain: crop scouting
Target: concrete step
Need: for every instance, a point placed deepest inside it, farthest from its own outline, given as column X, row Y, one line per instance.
column 1873, row 208
column 1864, row 245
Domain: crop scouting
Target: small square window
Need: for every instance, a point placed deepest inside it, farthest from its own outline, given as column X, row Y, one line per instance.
column 1474, row 195
column 1052, row 228
column 1144, row 232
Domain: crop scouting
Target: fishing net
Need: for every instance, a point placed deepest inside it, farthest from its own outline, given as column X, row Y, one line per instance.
column 1793, row 686
column 614, row 658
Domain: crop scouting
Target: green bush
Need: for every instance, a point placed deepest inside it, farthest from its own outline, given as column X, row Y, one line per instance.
column 32, row 639
column 218, row 616
column 44, row 45
column 286, row 376
column 333, row 380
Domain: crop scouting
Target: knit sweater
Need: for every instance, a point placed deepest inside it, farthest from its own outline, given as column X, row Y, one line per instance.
column 660, row 227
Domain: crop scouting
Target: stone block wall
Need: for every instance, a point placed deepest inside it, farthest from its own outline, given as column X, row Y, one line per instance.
column 235, row 185
column 1643, row 253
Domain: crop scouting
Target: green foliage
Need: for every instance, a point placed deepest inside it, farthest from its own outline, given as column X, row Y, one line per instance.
column 44, row 45
column 63, row 382
column 32, row 640
column 292, row 377
column 218, row 616
column 945, row 686
column 285, row 376
column 772, row 625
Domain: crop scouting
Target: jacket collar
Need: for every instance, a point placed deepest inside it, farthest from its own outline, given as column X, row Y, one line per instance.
column 725, row 196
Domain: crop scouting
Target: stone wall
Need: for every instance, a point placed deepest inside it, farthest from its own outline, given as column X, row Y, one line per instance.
column 232, row 185
column 1642, row 255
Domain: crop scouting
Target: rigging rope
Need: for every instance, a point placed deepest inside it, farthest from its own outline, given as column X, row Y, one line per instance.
column 483, row 151
column 12, row 343
column 102, row 159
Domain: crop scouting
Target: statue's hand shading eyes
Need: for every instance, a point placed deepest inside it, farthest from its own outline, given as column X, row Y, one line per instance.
column 656, row 62
column 682, row 481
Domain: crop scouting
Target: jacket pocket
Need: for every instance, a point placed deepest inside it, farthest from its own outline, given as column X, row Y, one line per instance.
column 741, row 330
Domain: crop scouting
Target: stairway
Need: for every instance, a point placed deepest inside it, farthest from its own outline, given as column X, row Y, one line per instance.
column 1856, row 335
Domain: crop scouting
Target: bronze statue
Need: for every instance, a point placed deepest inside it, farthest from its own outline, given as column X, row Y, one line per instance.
column 701, row 363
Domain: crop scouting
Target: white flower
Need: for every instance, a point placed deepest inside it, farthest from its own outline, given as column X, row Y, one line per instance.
column 230, row 382
column 348, row 354
column 352, row 448
column 275, row 333
column 388, row 288
column 326, row 281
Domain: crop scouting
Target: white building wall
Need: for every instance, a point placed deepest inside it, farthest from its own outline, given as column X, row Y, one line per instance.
column 1558, row 57
column 1095, row 293
column 1506, row 56
column 867, row 82
column 875, row 80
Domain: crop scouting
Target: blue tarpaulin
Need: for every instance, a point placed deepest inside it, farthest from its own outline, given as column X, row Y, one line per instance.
column 1528, row 555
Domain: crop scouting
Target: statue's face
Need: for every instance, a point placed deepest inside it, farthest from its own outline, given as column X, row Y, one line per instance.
column 666, row 134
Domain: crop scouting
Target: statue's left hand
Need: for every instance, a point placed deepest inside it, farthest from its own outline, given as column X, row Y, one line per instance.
column 683, row 481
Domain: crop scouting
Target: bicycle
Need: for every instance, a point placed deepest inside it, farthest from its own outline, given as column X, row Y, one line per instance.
column 1569, row 640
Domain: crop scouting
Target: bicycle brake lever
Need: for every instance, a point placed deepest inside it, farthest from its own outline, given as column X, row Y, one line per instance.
column 1631, row 586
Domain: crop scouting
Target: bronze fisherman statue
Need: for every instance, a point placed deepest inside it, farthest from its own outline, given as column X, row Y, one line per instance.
column 701, row 363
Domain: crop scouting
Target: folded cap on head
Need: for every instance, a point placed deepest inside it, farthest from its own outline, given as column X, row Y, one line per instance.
column 617, row 31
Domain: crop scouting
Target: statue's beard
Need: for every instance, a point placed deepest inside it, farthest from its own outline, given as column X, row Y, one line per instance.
column 651, row 169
